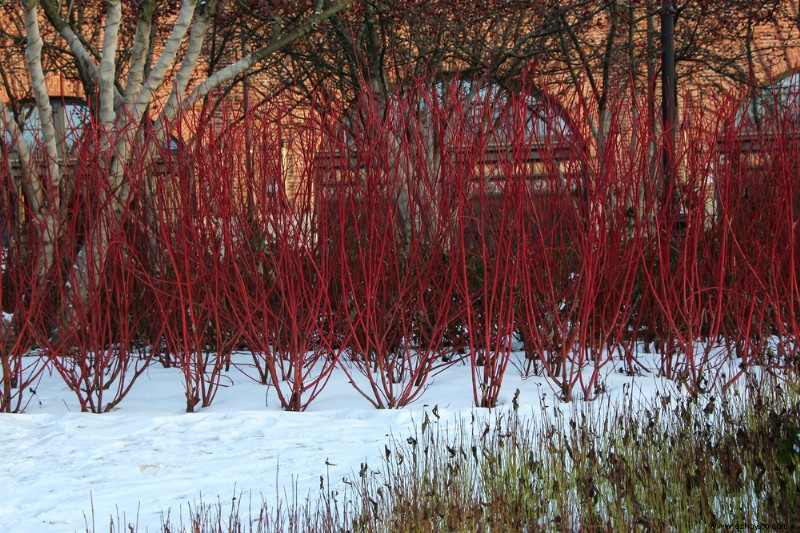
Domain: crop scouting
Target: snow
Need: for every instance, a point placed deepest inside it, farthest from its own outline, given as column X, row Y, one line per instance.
column 148, row 457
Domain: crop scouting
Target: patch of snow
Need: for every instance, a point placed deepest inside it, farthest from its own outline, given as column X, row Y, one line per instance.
column 149, row 457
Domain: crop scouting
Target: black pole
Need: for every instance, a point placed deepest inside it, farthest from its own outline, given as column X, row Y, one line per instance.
column 669, row 114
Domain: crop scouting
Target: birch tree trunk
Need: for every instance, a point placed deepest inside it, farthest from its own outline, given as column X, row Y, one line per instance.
column 46, row 181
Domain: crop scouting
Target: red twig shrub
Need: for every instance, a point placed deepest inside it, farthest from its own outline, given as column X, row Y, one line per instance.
column 20, row 292
column 383, row 227
column 400, row 234
column 198, row 235
column 285, row 274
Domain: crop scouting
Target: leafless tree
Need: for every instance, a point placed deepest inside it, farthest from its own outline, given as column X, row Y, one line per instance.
column 127, row 83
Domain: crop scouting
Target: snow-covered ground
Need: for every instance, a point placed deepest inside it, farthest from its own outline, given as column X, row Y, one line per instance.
column 149, row 457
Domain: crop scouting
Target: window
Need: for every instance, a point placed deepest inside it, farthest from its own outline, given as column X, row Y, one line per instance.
column 491, row 108
column 70, row 115
column 777, row 101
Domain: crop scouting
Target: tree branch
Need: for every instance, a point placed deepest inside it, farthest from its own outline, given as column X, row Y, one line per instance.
column 84, row 59
column 247, row 62
column 141, row 44
column 165, row 60
column 196, row 38
column 108, row 63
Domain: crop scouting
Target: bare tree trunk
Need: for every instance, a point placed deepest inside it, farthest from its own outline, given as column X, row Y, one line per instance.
column 83, row 58
column 196, row 38
column 108, row 63
column 48, row 200
column 652, row 121
column 30, row 183
column 139, row 53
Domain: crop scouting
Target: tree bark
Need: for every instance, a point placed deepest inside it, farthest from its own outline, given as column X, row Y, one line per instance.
column 139, row 52
column 108, row 63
